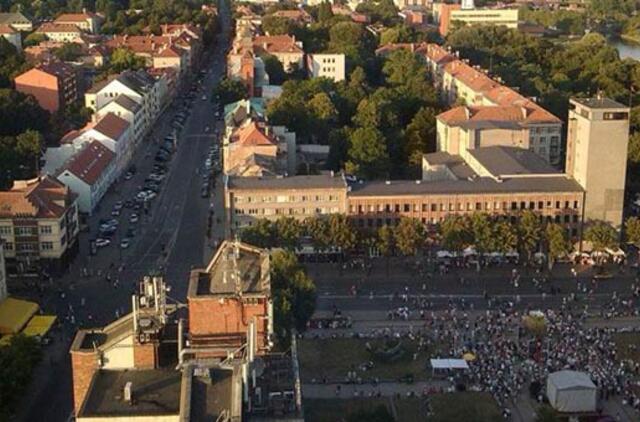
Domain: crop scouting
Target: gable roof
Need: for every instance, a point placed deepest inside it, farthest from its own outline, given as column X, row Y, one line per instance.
column 251, row 134
column 41, row 198
column 6, row 29
column 74, row 17
column 13, row 18
column 111, row 126
column 89, row 164
column 169, row 51
column 276, row 44
column 55, row 27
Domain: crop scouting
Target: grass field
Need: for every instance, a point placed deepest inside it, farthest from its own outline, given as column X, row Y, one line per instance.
column 333, row 358
column 464, row 406
column 337, row 410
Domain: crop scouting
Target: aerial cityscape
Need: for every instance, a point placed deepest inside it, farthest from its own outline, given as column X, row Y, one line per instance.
column 321, row 211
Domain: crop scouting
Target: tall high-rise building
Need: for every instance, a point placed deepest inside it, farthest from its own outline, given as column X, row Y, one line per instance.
column 597, row 140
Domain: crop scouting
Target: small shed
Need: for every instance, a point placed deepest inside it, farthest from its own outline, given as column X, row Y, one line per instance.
column 571, row 392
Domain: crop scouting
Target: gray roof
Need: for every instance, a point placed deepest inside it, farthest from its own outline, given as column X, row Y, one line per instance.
column 211, row 399
column 565, row 380
column 480, row 185
column 501, row 160
column 322, row 181
column 155, row 392
column 139, row 81
column 12, row 18
column 127, row 103
column 599, row 102
column 441, row 157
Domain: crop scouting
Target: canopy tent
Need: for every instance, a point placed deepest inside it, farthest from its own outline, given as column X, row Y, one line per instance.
column 469, row 251
column 449, row 364
column 39, row 325
column 15, row 313
column 615, row 252
column 571, row 391
column 444, row 254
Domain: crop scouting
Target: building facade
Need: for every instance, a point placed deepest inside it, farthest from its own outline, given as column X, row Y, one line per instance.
column 86, row 21
column 12, row 36
column 17, row 21
column 3, row 275
column 597, row 142
column 60, row 33
column 330, row 66
column 54, row 85
column 38, row 225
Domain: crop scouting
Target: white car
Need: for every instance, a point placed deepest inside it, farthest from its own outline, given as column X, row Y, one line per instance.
column 101, row 243
column 133, row 218
column 124, row 243
column 204, row 98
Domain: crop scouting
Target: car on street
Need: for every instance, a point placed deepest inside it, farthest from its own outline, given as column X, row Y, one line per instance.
column 101, row 243
column 115, row 212
column 125, row 243
column 204, row 193
column 133, row 218
column 108, row 221
column 118, row 205
column 128, row 175
column 207, row 129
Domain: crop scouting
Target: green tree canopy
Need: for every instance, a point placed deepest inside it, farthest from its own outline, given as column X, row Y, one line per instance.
column 529, row 232
column 557, row 242
column 601, row 235
column 409, row 236
column 124, row 59
column 632, row 230
column 368, row 155
column 456, row 233
column 230, row 91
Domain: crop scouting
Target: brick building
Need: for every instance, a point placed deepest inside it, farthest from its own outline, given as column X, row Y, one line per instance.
column 55, row 85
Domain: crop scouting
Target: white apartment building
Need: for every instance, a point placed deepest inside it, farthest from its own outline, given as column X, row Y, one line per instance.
column 330, row 66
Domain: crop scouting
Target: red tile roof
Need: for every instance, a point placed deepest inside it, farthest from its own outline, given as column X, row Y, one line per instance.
column 74, row 17
column 482, row 113
column 41, row 198
column 277, row 44
column 169, row 51
column 251, row 135
column 54, row 27
column 90, row 163
column 6, row 29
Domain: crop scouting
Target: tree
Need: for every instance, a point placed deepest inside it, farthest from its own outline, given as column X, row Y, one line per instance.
column 260, row 234
column 274, row 69
column 276, row 25
column 420, row 136
column 325, row 13
column 368, row 155
column 341, row 232
column 17, row 361
column 288, row 232
column 602, row 236
column 505, row 238
column 632, row 230
column 386, row 243
column 456, row 233
column 20, row 112
column 12, row 63
column 29, row 145
column 124, row 59
column 318, row 229
column 529, row 232
column 409, row 236
column 557, row 242
column 402, row 67
column 34, row 38
column 68, row 52
column 294, row 293
column 481, row 229
column 230, row 91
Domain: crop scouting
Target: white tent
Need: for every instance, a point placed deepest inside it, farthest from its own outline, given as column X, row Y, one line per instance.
column 571, row 391
column 444, row 254
column 449, row 364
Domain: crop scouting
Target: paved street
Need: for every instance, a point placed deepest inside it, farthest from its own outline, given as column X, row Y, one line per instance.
column 170, row 239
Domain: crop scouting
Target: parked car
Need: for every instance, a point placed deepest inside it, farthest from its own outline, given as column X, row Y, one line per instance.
column 133, row 218
column 101, row 243
column 128, row 175
column 115, row 212
column 124, row 243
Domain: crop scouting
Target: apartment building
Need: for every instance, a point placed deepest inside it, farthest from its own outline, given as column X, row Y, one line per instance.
column 17, row 21
column 55, row 85
column 284, row 47
column 38, row 225
column 86, row 21
column 3, row 275
column 250, row 198
column 139, row 86
column 12, row 36
column 59, row 32
column 489, row 106
column 597, row 143
column 89, row 174
column 127, row 109
column 330, row 66
column 447, row 15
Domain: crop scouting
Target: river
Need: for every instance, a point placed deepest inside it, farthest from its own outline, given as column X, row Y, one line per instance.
column 627, row 49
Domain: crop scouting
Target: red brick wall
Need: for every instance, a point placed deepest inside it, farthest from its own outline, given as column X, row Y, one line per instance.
column 42, row 86
column 208, row 316
column 83, row 366
column 145, row 356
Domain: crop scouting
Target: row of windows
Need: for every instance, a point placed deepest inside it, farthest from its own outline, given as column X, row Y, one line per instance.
column 379, row 222
column 461, row 206
column 286, row 211
column 329, row 60
column 26, row 247
column 285, row 198
column 328, row 69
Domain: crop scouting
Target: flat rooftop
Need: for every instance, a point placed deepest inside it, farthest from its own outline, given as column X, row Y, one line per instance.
column 481, row 185
column 305, row 182
column 502, row 161
column 155, row 392
column 211, row 398
column 598, row 102
column 454, row 163
column 233, row 262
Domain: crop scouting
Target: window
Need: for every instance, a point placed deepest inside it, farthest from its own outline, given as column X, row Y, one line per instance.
column 575, row 205
column 407, row 208
column 425, row 207
column 532, row 205
column 540, row 205
column 46, row 246
column 557, row 205
column 397, row 208
column 25, row 231
column 6, row 230
column 8, row 246
column 514, row 205
column 615, row 116
column 45, row 229
column 434, row 207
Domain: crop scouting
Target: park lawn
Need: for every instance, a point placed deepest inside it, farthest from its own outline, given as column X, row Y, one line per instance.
column 410, row 409
column 333, row 358
column 464, row 406
column 337, row 410
column 623, row 341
